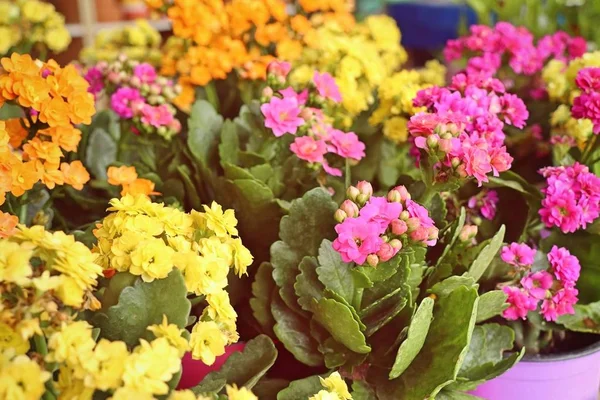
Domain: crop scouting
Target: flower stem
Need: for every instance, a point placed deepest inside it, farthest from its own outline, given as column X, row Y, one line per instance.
column 357, row 299
column 23, row 209
column 589, row 149
column 427, row 195
column 348, row 177
column 40, row 344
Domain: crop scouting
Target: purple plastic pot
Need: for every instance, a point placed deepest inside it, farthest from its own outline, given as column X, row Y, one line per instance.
column 572, row 376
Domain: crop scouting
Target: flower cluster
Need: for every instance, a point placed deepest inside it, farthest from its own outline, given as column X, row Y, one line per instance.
column 373, row 229
column 149, row 240
column 461, row 132
column 555, row 287
column 335, row 389
column 127, row 178
column 139, row 42
column 587, row 105
column 559, row 76
column 571, row 197
column 395, row 98
column 486, row 47
column 300, row 113
column 53, row 99
column 25, row 23
column 137, row 94
column 359, row 59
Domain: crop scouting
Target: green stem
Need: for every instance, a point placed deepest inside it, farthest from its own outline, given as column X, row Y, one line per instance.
column 589, row 149
column 348, row 177
column 427, row 195
column 357, row 299
column 23, row 209
column 211, row 95
column 40, row 344
column 532, row 336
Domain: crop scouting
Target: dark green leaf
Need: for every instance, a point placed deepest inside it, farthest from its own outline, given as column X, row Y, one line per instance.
column 230, row 144
column 453, row 395
column 491, row 304
column 301, row 389
column 204, row 127
column 334, row 273
column 438, row 210
column 339, row 321
column 100, row 153
column 485, row 257
column 268, row 388
column 262, row 287
column 308, row 286
column 453, row 234
column 585, row 319
column 362, row 391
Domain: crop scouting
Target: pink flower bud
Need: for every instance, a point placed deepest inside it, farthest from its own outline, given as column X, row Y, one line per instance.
column 455, row 162
column 267, row 92
column 395, row 243
column 114, row 77
column 433, row 233
column 340, row 216
column 413, row 224
column 467, row 233
column 279, row 68
column 135, row 82
column 445, row 145
column 420, row 235
column 372, row 260
column 404, row 194
column 175, row 125
column 307, row 114
column 352, row 193
column 393, row 196
column 350, row 208
column 386, row 251
column 399, row 227
column 365, row 188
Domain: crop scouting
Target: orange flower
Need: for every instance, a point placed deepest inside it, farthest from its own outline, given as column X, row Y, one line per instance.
column 55, row 112
column 277, row 9
column 122, row 175
column 8, row 225
column 300, row 24
column 81, row 107
column 21, row 64
column 32, row 92
column 138, row 187
column 313, row 5
column 4, row 137
column 186, row 97
column 52, row 176
column 200, row 75
column 24, row 176
column 16, row 132
column 67, row 81
column 289, row 50
column 67, row 137
column 270, row 33
column 46, row 151
column 75, row 174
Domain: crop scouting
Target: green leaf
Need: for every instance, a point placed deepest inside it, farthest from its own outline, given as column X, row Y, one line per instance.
column 339, row 321
column 453, row 234
column 268, row 388
column 491, row 304
column 243, row 368
column 262, row 287
column 142, row 305
column 308, row 286
column 293, row 331
column 485, row 257
column 453, row 395
column 488, row 344
column 301, row 389
column 204, row 127
column 417, row 333
column 447, row 286
column 334, row 273
column 230, row 144
column 513, row 181
column 585, row 319
column 438, row 210
column 337, row 355
column 10, row 111
column 285, row 271
column 100, row 153
column 362, row 391
column 439, row 361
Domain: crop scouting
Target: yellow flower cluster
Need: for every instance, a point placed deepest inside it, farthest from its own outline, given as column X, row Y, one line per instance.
column 22, row 378
column 138, row 42
column 53, row 100
column 559, row 76
column 24, row 23
column 359, row 60
column 149, row 240
column 564, row 125
column 335, row 389
column 395, row 98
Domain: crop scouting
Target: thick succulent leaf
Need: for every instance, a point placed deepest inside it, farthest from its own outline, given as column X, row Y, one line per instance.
column 302, row 388
column 485, row 257
column 262, row 288
column 585, row 319
column 308, row 286
column 335, row 274
column 204, row 128
column 491, row 304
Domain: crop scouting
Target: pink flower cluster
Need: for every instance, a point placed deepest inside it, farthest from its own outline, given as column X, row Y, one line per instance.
column 300, row 113
column 484, row 203
column 571, row 197
column 554, row 288
column 138, row 94
column 373, row 229
column 587, row 104
column 486, row 48
column 461, row 131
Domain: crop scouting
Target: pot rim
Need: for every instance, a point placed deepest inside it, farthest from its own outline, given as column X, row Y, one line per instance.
column 541, row 358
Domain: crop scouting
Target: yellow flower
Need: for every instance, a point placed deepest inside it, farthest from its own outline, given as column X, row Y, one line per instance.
column 9, row 339
column 233, row 393
column 221, row 223
column 152, row 259
column 151, row 366
column 182, row 395
column 219, row 307
column 242, row 258
column 14, row 262
column 325, row 395
column 71, row 343
column 104, row 368
column 207, row 342
column 29, row 327
column 45, row 282
column 214, row 247
column 72, row 388
column 36, row 11
column 172, row 333
column 127, row 393
column 396, row 129
column 334, row 383
column 70, row 292
column 22, row 378
column 58, row 39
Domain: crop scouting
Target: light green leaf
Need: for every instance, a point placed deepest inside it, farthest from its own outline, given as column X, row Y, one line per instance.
column 204, row 128
column 339, row 321
column 417, row 333
column 262, row 287
column 362, row 391
column 454, row 395
column 491, row 304
column 301, row 389
column 585, row 319
column 334, row 273
column 485, row 257
column 447, row 286
column 100, row 153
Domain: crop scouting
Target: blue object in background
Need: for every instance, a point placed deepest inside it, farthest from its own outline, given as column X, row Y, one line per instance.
column 429, row 26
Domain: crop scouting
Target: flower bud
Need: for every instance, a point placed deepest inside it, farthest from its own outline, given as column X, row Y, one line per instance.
column 404, row 194
column 467, row 233
column 404, row 215
column 433, row 233
column 445, row 145
column 455, row 162
column 340, row 216
column 135, row 82
column 432, row 141
column 386, row 251
column 352, row 193
column 372, row 260
column 306, row 114
column 396, row 244
column 267, row 92
column 394, row 196
column 155, row 89
column 362, row 199
column 350, row 208
column 413, row 224
column 399, row 227
column 419, row 235
column 461, row 171
column 365, row 188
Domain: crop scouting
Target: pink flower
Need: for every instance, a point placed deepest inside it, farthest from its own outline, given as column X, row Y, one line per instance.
column 347, row 145
column 331, row 170
column 564, row 266
column 121, row 101
column 453, row 50
column 520, row 303
column 422, row 124
column 357, row 238
column 279, row 68
column 156, row 116
column 282, row 115
column 327, row 87
column 95, row 78
column 379, row 210
column 518, row 254
column 514, row 110
column 485, row 203
column 537, row 284
column 145, row 72
column 500, row 160
column 587, row 105
column 560, row 304
column 588, row 79
column 477, row 164
column 309, row 149
column 291, row 93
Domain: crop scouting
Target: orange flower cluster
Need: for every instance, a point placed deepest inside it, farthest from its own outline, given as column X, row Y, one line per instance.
column 128, row 178
column 215, row 37
column 53, row 99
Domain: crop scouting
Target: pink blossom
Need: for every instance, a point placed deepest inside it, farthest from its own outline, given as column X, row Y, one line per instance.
column 500, row 160
column 514, row 110
column 588, row 79
column 309, row 149
column 357, row 238
column 347, row 145
column 537, row 284
column 301, row 97
column 418, row 211
column 399, row 227
column 422, row 124
column 282, row 115
column 327, row 87
column 145, row 72
column 486, row 203
column 518, row 254
column 95, row 78
column 564, row 266
column 331, row 170
column 379, row 210
column 279, row 68
column 520, row 303
column 587, row 105
column 560, row 304
column 121, row 101
column 477, row 164
column 156, row 116
column 386, row 252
